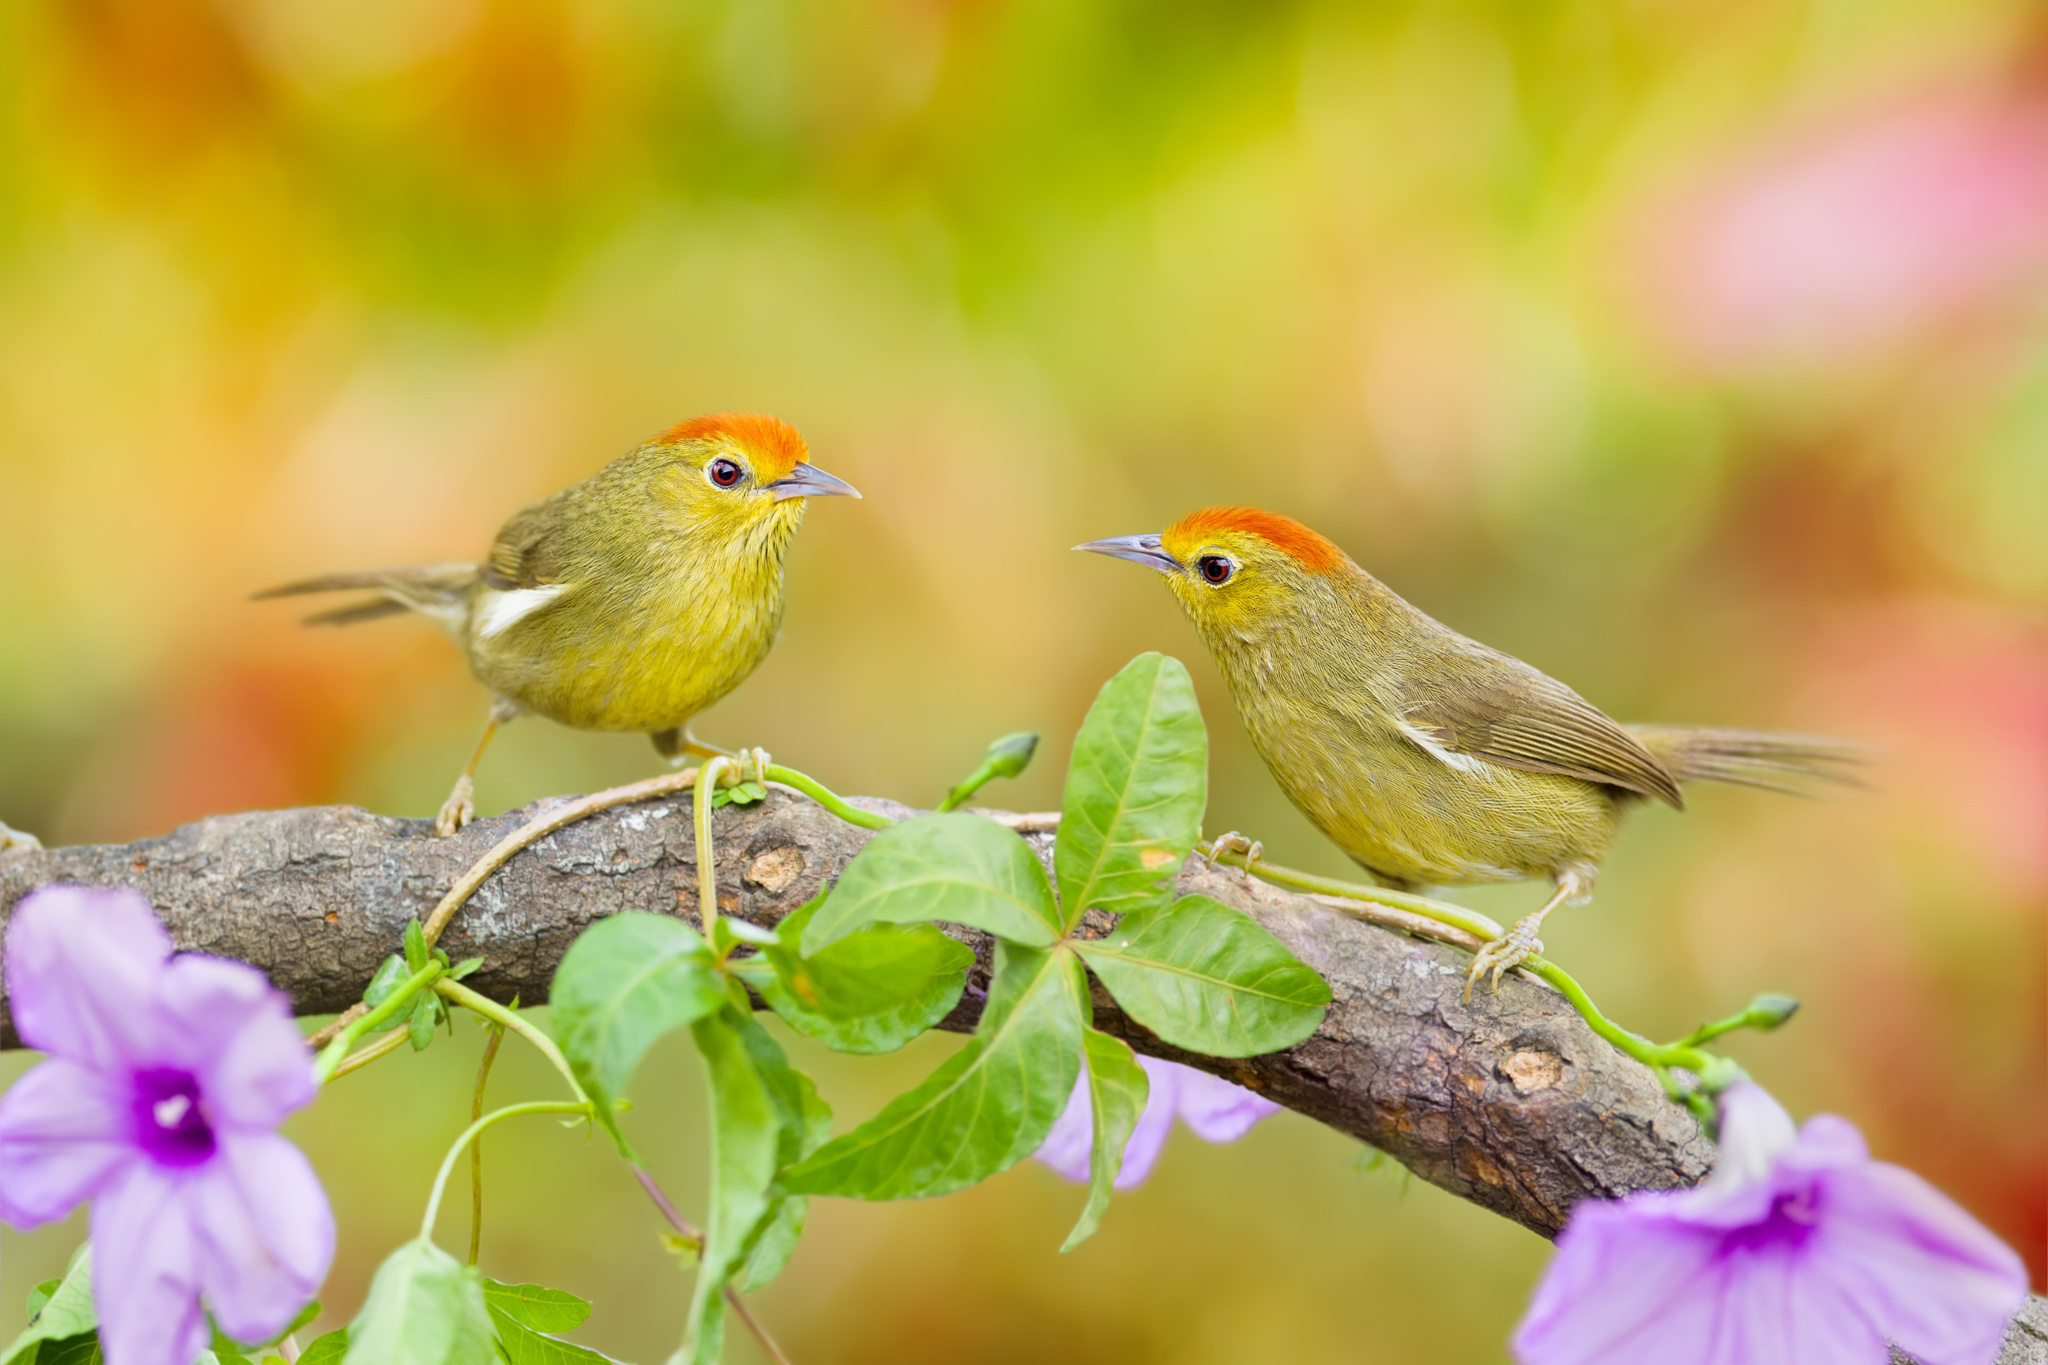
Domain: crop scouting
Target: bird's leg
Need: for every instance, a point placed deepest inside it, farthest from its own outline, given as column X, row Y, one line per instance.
column 679, row 744
column 1233, row 842
column 1518, row 944
column 686, row 745
column 460, row 807
column 17, row 841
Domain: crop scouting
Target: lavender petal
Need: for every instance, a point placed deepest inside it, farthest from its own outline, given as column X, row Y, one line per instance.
column 1629, row 1284
column 265, row 1234
column 81, row 965
column 1148, row 1138
column 225, row 1023
column 144, row 1287
column 64, row 1134
column 1067, row 1147
column 1217, row 1111
column 1933, row 1279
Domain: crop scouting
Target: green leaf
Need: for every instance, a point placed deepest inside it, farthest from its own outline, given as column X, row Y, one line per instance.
column 225, row 1345
column 66, row 1313
column 330, row 1348
column 425, row 1016
column 39, row 1296
column 623, row 984
column 872, row 991
column 986, row 1108
column 806, row 1123
column 1117, row 1090
column 531, row 1305
column 78, row 1350
column 416, row 954
column 1136, row 786
column 389, row 976
column 956, row 867
column 742, row 794
column 1207, row 978
column 522, row 1345
column 464, row 968
column 762, row 1114
column 424, row 1308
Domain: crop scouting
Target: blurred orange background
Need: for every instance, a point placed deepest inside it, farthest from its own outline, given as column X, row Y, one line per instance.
column 1695, row 351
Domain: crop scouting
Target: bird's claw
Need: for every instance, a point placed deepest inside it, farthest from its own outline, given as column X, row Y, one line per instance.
column 1503, row 955
column 758, row 759
column 17, row 841
column 1233, row 842
column 459, row 809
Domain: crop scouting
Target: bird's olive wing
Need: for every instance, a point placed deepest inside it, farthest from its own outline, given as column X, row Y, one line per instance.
column 1499, row 709
column 529, row 551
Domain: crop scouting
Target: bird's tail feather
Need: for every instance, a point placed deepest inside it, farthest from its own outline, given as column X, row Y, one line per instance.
column 1798, row 764
column 439, row 591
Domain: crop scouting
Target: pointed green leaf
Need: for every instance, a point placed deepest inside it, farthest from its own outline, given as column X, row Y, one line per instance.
column 79, row 1350
column 39, row 1296
column 1136, row 786
column 985, row 1109
column 872, row 991
column 424, row 1308
column 1207, row 978
column 960, row 868
column 763, row 1112
column 532, row 1305
column 627, row 981
column 67, row 1312
column 1117, row 1090
column 330, row 1348
column 805, row 1129
column 520, row 1344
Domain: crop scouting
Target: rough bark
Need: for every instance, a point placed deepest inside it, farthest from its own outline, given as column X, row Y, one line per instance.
column 1510, row 1102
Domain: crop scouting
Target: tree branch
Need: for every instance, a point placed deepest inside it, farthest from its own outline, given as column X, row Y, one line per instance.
column 1511, row 1102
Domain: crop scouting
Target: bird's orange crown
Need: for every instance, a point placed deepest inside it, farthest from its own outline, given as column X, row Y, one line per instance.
column 775, row 445
column 1308, row 549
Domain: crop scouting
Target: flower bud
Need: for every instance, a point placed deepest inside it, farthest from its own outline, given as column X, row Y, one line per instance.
column 1011, row 754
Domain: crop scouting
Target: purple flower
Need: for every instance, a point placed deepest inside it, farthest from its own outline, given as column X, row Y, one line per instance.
column 1214, row 1109
column 167, row 1080
column 1799, row 1250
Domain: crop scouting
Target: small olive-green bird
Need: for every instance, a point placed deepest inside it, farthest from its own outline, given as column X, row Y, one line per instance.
column 1429, row 758
column 629, row 602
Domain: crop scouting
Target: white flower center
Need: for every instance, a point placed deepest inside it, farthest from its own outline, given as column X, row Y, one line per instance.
column 169, row 1113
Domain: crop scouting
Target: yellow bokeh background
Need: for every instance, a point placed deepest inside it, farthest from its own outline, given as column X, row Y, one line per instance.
column 1695, row 351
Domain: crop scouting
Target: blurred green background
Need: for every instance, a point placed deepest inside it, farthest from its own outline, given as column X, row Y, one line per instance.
column 1694, row 350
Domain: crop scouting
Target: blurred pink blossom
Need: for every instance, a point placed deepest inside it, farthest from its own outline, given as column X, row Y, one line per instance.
column 1826, row 247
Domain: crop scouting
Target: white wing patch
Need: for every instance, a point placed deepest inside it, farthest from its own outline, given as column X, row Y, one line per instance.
column 1464, row 763
column 500, row 611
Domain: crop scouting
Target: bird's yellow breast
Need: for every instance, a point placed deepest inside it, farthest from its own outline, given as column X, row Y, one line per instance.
column 642, row 656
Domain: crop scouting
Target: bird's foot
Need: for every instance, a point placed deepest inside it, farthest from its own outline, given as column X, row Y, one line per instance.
column 1504, row 954
column 1233, row 842
column 17, row 841
column 459, row 809
column 757, row 759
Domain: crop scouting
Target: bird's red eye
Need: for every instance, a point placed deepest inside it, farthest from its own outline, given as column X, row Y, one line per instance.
column 1215, row 568
column 725, row 473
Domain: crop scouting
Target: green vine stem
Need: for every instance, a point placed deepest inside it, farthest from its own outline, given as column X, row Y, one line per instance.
column 471, row 1133
column 476, row 1149
column 457, row 993
column 1712, row 1072
column 707, row 864
column 331, row 1056
column 826, row 797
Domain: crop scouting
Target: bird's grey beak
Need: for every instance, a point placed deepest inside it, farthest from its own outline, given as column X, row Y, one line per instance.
column 809, row 481
column 1138, row 549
